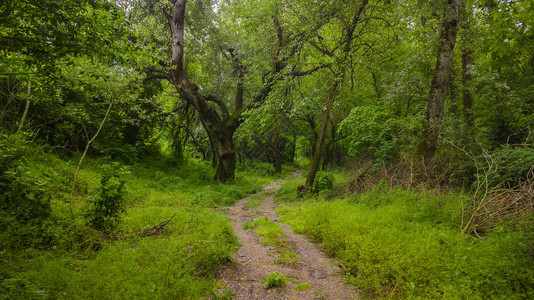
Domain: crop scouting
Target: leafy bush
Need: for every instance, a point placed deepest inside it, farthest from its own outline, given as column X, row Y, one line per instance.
column 24, row 203
column 513, row 165
column 20, row 196
column 18, row 288
column 497, row 108
column 376, row 131
column 27, row 202
column 323, row 181
column 274, row 280
column 79, row 263
column 117, row 150
column 107, row 204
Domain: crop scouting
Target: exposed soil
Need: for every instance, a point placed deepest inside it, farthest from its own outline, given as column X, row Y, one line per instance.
column 253, row 261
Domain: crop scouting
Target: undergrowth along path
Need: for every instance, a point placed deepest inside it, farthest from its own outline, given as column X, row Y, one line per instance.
column 267, row 246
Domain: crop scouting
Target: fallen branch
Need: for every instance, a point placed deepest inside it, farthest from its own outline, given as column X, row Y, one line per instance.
column 158, row 227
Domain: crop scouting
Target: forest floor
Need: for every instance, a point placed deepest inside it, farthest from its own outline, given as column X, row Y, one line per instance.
column 275, row 263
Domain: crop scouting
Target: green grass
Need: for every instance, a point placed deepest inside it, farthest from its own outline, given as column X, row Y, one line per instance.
column 64, row 259
column 181, row 263
column 252, row 203
column 273, row 235
column 302, row 287
column 287, row 257
column 275, row 280
column 407, row 244
column 258, row 196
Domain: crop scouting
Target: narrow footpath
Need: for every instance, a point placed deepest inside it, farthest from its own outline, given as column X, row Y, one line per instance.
column 313, row 275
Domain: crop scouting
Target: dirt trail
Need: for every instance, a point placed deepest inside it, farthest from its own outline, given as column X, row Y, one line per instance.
column 254, row 261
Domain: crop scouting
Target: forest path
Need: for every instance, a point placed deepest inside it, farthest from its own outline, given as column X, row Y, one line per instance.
column 312, row 275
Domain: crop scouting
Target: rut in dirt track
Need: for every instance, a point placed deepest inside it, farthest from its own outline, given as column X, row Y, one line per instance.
column 254, row 260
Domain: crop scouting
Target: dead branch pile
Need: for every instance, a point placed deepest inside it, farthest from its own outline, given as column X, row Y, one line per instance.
column 491, row 206
column 406, row 174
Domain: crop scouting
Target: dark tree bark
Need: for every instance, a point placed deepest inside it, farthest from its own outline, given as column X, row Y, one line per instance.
column 220, row 130
column 427, row 144
column 277, row 156
column 322, row 136
column 177, row 145
column 376, row 87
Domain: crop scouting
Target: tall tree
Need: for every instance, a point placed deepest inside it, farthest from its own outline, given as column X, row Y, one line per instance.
column 221, row 118
column 427, row 144
column 342, row 48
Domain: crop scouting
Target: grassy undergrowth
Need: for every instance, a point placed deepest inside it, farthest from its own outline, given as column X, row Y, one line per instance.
column 407, row 244
column 61, row 257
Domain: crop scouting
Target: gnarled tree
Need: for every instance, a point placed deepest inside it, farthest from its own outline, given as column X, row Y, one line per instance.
column 221, row 118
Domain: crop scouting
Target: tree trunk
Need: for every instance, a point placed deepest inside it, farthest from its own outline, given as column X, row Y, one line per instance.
column 427, row 144
column 322, row 135
column 276, row 149
column 226, row 167
column 376, row 87
column 26, row 108
column 467, row 98
column 277, row 157
column 225, row 153
column 326, row 156
column 177, row 151
column 346, row 46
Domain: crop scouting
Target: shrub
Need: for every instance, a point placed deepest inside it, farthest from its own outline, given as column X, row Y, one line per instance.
column 107, row 204
column 24, row 203
column 377, row 131
column 513, row 165
column 19, row 288
column 323, row 181
column 117, row 150
column 20, row 196
column 274, row 280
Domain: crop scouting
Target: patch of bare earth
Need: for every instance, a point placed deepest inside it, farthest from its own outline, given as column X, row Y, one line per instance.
column 254, row 260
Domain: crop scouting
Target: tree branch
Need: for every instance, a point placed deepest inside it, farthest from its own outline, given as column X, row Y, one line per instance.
column 308, row 72
column 219, row 103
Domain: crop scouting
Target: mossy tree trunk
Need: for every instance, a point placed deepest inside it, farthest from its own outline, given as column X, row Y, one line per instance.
column 426, row 147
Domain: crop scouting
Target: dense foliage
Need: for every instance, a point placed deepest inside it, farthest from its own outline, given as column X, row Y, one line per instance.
column 116, row 116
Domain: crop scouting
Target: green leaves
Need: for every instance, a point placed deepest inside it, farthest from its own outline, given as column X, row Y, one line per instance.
column 107, row 204
column 275, row 280
column 376, row 131
column 47, row 30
